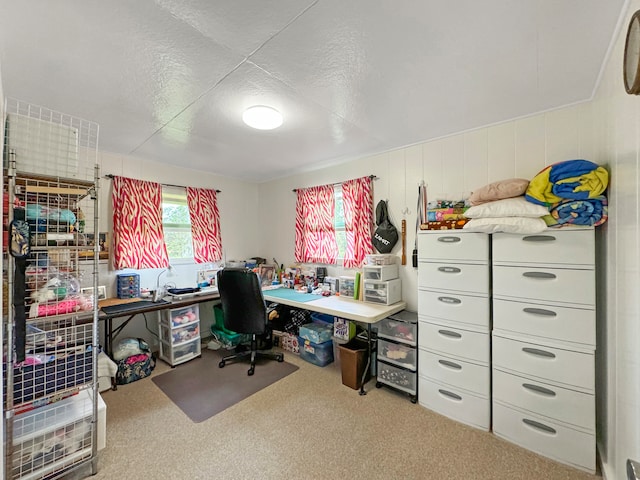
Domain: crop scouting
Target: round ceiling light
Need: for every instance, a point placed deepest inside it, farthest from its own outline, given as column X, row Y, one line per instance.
column 262, row 117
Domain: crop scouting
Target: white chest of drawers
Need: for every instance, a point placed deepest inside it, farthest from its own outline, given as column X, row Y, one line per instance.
column 544, row 343
column 454, row 324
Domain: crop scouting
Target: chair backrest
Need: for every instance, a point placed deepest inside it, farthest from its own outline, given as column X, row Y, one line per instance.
column 242, row 302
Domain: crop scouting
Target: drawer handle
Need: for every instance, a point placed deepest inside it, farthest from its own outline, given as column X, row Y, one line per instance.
column 539, row 238
column 539, row 275
column 449, row 269
column 539, row 426
column 449, row 394
column 449, row 364
column 538, row 353
column 450, row 300
column 449, row 239
column 449, row 333
column 540, row 311
column 538, row 389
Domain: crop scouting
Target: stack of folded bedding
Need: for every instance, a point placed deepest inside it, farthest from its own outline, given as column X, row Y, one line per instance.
column 573, row 191
column 502, row 207
column 565, row 193
column 511, row 215
column 444, row 214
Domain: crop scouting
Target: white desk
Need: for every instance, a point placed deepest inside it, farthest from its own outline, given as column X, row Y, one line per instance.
column 362, row 312
column 343, row 307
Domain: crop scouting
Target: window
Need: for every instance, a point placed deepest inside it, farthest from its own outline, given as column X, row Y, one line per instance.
column 176, row 223
column 334, row 222
column 338, row 222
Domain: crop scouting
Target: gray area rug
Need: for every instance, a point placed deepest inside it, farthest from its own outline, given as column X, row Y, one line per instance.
column 202, row 389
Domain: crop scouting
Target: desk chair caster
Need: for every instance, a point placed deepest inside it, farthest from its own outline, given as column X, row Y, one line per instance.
column 279, row 357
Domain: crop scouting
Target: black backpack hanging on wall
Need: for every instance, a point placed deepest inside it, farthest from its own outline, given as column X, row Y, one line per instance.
column 386, row 235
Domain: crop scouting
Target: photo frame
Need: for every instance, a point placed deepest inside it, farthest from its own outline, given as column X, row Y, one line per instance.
column 207, row 278
column 267, row 274
column 102, row 291
column 90, row 239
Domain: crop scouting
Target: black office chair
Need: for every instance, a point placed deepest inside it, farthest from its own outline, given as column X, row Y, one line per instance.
column 244, row 311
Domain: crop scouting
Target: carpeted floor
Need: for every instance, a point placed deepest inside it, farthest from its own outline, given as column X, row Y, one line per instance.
column 201, row 389
column 305, row 426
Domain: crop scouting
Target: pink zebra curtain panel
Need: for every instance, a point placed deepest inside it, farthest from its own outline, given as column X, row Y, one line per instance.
column 205, row 224
column 315, row 232
column 357, row 198
column 138, row 237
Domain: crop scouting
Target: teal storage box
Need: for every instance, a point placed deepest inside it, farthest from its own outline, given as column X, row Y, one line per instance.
column 319, row 354
column 316, row 332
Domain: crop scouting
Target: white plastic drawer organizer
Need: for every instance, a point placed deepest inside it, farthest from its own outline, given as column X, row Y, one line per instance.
column 454, row 321
column 387, row 292
column 397, row 359
column 179, row 334
column 544, row 343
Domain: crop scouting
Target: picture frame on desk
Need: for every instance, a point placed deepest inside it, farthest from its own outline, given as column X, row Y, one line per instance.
column 267, row 274
column 103, row 241
column 102, row 291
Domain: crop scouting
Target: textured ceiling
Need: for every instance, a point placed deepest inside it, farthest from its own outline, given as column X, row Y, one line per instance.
column 168, row 79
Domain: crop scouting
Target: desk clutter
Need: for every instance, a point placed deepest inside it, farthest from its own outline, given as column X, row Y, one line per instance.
column 378, row 282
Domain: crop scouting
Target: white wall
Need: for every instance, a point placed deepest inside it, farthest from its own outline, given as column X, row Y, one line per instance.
column 241, row 237
column 606, row 131
column 453, row 166
column 618, row 125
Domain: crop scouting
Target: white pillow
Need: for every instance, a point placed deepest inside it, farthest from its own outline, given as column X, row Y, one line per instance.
column 508, row 207
column 506, row 224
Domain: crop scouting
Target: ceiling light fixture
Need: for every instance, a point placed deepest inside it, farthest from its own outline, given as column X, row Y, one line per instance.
column 262, row 117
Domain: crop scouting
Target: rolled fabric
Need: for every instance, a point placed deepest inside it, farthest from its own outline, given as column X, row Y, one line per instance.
column 591, row 212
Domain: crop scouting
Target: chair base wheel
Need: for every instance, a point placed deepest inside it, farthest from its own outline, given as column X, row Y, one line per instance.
column 280, row 358
column 378, row 385
column 221, row 364
column 251, row 371
column 414, row 399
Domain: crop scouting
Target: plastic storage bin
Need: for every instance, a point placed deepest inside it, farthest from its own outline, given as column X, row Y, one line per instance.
column 347, row 286
column 319, row 332
column 397, row 354
column 399, row 378
column 400, row 327
column 320, row 354
column 380, row 272
column 179, row 334
column 386, row 293
column 227, row 337
column 128, row 285
column 381, row 259
column 321, row 317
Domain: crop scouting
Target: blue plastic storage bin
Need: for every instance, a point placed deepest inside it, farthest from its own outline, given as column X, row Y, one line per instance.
column 320, row 354
column 321, row 317
column 316, row 332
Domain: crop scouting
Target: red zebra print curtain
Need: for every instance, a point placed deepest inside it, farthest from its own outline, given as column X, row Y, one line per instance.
column 138, row 238
column 315, row 233
column 357, row 198
column 205, row 224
